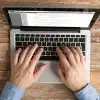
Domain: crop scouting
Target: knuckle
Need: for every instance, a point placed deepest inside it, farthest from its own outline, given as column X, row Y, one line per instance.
column 70, row 54
column 75, row 53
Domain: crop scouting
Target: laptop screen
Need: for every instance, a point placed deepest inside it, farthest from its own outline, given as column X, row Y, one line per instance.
column 51, row 18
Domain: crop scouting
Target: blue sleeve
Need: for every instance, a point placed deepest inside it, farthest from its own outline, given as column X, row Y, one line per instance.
column 87, row 93
column 11, row 92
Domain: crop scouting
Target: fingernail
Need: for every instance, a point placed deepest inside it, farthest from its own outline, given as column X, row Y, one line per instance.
column 36, row 44
column 41, row 49
column 19, row 49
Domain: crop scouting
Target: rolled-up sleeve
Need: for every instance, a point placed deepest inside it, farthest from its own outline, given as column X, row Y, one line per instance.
column 87, row 93
column 11, row 92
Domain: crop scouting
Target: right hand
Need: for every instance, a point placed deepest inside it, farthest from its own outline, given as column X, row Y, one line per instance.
column 71, row 68
column 23, row 71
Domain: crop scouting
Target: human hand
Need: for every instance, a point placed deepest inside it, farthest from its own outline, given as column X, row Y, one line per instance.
column 71, row 68
column 23, row 71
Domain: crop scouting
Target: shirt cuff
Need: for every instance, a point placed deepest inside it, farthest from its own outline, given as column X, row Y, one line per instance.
column 11, row 92
column 87, row 93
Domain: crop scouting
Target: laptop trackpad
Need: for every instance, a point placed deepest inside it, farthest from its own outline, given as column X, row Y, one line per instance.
column 50, row 74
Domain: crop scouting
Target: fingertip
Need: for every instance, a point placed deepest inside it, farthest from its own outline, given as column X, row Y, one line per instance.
column 36, row 45
column 41, row 49
column 18, row 50
column 57, row 48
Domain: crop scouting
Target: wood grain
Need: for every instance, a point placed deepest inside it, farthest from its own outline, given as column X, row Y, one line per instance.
column 49, row 91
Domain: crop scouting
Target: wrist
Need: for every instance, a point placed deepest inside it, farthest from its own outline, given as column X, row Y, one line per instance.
column 16, row 84
column 80, row 88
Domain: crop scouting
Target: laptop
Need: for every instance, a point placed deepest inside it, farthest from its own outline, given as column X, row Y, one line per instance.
column 51, row 28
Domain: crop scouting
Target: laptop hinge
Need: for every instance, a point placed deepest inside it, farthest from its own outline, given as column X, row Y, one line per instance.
column 71, row 29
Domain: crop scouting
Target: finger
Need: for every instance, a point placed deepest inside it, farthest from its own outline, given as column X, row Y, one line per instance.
column 36, row 58
column 62, row 68
column 80, row 54
column 63, row 59
column 60, row 73
column 76, row 54
column 37, row 74
column 23, row 54
column 16, row 56
column 70, row 55
column 30, row 54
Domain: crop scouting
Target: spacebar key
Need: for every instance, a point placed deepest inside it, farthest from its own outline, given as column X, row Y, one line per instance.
column 49, row 58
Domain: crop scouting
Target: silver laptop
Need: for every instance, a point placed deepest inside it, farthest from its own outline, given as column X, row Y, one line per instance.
column 51, row 28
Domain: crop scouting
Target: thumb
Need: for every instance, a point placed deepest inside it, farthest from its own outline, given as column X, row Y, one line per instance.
column 40, row 70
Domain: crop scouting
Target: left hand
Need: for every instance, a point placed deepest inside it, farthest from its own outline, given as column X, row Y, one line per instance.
column 23, row 71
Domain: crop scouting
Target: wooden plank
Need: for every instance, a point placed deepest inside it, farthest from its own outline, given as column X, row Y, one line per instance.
column 75, row 3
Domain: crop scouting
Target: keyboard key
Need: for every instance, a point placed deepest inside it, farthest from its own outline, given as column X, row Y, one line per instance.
column 27, row 35
column 72, row 44
column 48, row 43
column 58, row 44
column 26, row 39
column 54, row 48
column 43, row 53
column 68, row 44
column 72, row 35
column 45, row 48
column 53, row 44
column 57, row 35
column 42, row 35
column 47, row 35
column 31, row 39
column 53, row 53
column 61, row 39
column 32, row 35
column 81, row 39
column 46, row 39
column 39, row 43
column 77, row 44
column 70, row 39
column 22, row 35
column 75, row 39
column 65, row 39
column 43, row 43
column 22, row 38
column 63, row 44
column 47, row 53
column 30, row 43
column 18, row 43
column 56, row 39
column 82, row 35
column 67, row 35
column 17, row 38
column 52, row 58
column 51, row 39
column 41, row 39
column 17, row 35
column 77, row 35
column 36, row 39
column 37, row 35
column 24, row 43
column 62, row 35
column 83, row 46
column 52, row 35
column 50, row 49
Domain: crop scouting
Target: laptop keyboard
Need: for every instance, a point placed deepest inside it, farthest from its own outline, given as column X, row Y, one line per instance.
column 49, row 42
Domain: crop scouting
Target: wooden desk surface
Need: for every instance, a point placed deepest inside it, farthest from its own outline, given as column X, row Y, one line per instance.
column 49, row 91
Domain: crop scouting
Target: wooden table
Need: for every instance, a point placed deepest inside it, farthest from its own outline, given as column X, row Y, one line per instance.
column 49, row 91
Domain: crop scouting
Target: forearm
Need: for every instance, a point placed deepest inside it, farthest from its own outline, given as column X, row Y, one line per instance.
column 87, row 93
column 11, row 92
